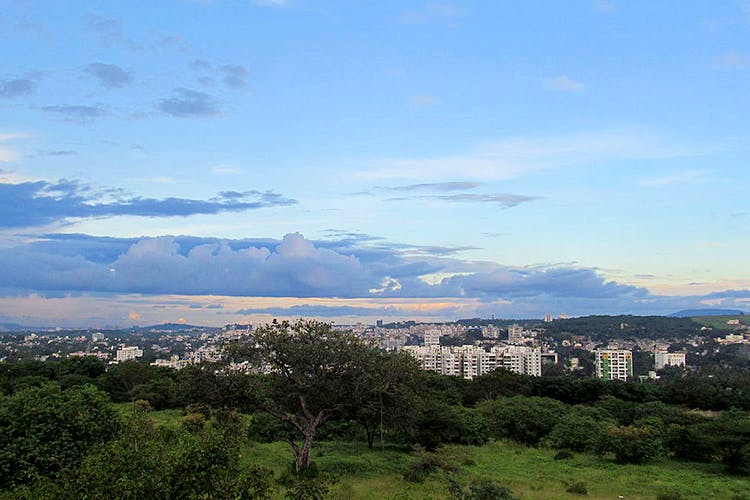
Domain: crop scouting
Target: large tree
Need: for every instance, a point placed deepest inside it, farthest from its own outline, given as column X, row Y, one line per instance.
column 309, row 375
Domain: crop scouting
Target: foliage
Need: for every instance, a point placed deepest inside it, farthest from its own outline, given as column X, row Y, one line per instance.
column 577, row 488
column 580, row 430
column 160, row 462
column 522, row 419
column 45, row 430
column 631, row 444
column 441, row 423
column 312, row 373
column 131, row 380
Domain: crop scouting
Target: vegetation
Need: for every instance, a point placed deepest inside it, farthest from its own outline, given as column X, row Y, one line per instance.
column 70, row 429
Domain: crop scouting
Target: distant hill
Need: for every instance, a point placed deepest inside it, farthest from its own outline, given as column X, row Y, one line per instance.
column 173, row 327
column 692, row 313
column 15, row 327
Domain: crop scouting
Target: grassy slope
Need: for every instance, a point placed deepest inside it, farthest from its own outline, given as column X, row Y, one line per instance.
column 531, row 473
column 720, row 322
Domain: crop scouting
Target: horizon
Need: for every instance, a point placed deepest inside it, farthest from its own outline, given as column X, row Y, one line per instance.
column 215, row 162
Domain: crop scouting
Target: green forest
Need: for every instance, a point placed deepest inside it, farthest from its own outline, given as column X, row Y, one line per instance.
column 298, row 410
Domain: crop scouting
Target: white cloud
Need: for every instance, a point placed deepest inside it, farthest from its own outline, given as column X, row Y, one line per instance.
column 226, row 170
column 686, row 177
column 8, row 154
column 424, row 101
column 564, row 84
column 604, row 6
column 271, row 3
column 512, row 157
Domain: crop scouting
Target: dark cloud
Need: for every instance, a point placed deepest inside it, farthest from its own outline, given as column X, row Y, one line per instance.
column 109, row 75
column 54, row 152
column 295, row 267
column 505, row 200
column 337, row 311
column 77, row 113
column 234, row 76
column 17, row 87
column 29, row 204
column 437, row 186
column 186, row 103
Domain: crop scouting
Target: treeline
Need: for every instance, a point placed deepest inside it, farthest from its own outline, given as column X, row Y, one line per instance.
column 60, row 435
column 603, row 328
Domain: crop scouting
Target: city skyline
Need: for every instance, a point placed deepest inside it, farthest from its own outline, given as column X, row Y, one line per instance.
column 224, row 161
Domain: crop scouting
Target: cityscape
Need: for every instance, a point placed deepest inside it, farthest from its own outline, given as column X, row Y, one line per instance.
column 384, row 250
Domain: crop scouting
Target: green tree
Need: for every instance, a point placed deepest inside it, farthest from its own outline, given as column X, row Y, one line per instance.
column 631, row 444
column 387, row 394
column 311, row 371
column 46, row 430
column 526, row 420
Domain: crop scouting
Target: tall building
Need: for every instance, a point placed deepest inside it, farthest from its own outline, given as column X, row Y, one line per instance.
column 515, row 332
column 432, row 337
column 664, row 358
column 614, row 364
column 128, row 353
column 469, row 361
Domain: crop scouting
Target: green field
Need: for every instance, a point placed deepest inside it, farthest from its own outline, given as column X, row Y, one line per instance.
column 530, row 473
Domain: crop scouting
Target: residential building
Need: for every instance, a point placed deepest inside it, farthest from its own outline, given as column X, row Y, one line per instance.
column 128, row 353
column 664, row 358
column 614, row 364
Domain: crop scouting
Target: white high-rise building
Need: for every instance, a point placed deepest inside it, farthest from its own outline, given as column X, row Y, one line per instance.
column 664, row 358
column 470, row 361
column 614, row 364
column 432, row 337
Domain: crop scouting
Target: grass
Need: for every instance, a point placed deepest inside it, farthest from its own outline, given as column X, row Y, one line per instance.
column 531, row 473
column 720, row 322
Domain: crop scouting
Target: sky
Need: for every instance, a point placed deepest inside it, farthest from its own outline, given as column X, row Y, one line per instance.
column 223, row 161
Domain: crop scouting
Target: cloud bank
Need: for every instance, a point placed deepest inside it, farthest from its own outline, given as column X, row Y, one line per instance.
column 38, row 203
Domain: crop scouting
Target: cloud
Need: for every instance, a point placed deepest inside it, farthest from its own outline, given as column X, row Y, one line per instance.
column 564, row 83
column 502, row 199
column 38, row 203
column 8, row 154
column 424, row 101
column 186, row 103
column 234, row 76
column 437, row 186
column 732, row 60
column 512, row 157
column 292, row 267
column 109, row 75
column 604, row 6
column 272, row 3
column 434, row 12
column 77, row 113
column 55, row 152
column 686, row 177
column 17, row 87
column 226, row 170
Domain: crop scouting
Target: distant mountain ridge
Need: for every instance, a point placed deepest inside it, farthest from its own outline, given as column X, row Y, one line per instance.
column 689, row 313
column 172, row 326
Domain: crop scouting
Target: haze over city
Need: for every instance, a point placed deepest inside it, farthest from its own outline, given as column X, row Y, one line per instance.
column 212, row 162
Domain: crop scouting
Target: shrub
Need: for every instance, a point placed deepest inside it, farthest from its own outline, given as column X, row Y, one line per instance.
column 524, row 419
column 577, row 488
column 630, row 444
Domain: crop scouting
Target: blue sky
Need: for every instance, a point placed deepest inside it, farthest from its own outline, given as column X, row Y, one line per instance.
column 221, row 161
